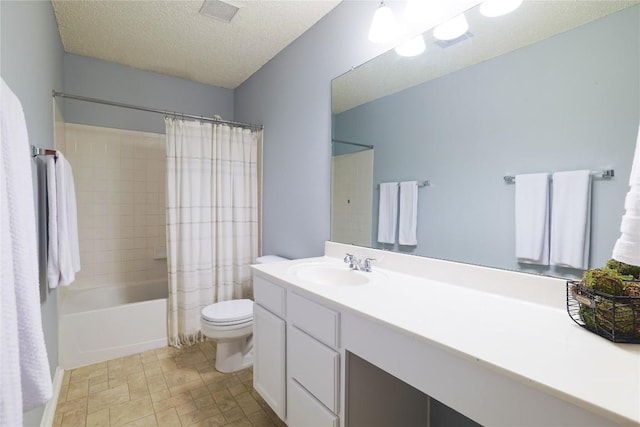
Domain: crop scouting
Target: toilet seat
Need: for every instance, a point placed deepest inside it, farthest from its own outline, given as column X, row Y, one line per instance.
column 228, row 313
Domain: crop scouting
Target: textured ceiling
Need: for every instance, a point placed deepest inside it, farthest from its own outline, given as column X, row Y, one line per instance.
column 172, row 37
column 535, row 20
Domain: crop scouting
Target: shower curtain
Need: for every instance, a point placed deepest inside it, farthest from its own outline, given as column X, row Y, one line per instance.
column 212, row 219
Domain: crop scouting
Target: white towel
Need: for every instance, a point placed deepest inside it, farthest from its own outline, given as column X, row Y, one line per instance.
column 25, row 379
column 63, row 254
column 571, row 219
column 532, row 218
column 408, row 213
column 388, row 212
column 627, row 247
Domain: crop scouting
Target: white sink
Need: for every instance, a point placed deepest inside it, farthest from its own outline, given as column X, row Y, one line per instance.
column 331, row 275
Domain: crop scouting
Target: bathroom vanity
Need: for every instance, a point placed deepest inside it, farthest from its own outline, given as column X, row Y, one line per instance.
column 335, row 347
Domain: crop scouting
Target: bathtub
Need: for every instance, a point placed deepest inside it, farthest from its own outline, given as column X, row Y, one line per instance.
column 104, row 323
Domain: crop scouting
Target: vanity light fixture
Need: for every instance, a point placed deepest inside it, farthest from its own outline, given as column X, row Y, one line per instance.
column 384, row 27
column 452, row 29
column 493, row 8
column 412, row 47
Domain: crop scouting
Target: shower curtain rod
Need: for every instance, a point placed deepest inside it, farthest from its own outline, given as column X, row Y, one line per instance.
column 155, row 110
column 352, row 143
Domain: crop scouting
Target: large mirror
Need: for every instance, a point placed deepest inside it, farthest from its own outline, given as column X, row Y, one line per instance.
column 553, row 86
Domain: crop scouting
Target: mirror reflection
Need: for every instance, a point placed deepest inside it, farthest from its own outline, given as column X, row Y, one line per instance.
column 553, row 86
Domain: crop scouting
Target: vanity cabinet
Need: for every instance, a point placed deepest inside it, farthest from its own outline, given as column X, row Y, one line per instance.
column 269, row 343
column 296, row 356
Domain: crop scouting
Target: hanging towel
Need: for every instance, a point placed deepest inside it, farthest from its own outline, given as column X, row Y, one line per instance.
column 63, row 253
column 25, row 379
column 571, row 219
column 408, row 213
column 627, row 247
column 388, row 212
column 532, row 218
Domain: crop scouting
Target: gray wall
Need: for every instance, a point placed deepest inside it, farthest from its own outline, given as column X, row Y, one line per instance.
column 291, row 96
column 95, row 78
column 32, row 66
column 570, row 102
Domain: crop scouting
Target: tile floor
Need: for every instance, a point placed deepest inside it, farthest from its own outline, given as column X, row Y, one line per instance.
column 162, row 387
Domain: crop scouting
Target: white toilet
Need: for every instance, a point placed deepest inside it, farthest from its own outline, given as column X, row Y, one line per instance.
column 230, row 323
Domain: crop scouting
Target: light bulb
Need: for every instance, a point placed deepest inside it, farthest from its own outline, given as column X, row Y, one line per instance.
column 493, row 8
column 383, row 26
column 412, row 47
column 452, row 29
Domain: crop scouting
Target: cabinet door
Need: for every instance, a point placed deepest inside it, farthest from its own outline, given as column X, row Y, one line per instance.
column 306, row 411
column 269, row 358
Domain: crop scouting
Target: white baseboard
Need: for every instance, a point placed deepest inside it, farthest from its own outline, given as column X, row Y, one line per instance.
column 50, row 408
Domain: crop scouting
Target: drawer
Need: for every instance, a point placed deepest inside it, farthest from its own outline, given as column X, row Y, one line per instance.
column 315, row 366
column 315, row 319
column 305, row 410
column 269, row 295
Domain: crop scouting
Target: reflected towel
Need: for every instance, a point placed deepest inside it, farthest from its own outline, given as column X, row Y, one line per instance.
column 532, row 218
column 388, row 212
column 24, row 367
column 408, row 222
column 571, row 219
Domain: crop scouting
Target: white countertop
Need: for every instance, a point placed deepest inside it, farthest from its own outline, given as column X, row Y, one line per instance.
column 531, row 339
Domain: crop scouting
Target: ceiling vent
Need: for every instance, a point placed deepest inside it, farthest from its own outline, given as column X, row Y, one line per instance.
column 218, row 10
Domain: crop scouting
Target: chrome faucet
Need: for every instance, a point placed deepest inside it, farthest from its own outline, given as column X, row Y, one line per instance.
column 359, row 265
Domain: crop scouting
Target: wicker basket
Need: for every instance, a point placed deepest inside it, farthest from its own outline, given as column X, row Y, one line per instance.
column 616, row 318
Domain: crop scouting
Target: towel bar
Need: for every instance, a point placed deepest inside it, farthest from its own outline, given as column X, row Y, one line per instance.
column 604, row 174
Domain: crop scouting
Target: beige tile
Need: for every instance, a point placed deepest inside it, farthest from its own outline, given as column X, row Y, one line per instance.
column 204, row 401
column 186, row 408
column 138, row 386
column 237, row 389
column 245, row 375
column 99, row 418
column 107, row 398
column 225, row 400
column 152, row 371
column 72, row 405
column 156, row 383
column 199, row 392
column 148, row 357
column 234, row 414
column 129, row 411
column 247, row 403
column 166, row 352
column 167, row 365
column 168, row 417
column 94, row 388
column 260, row 419
column 209, row 414
column 75, row 418
column 66, row 377
column 62, row 397
column 157, row 396
column 239, row 423
column 172, row 402
column 190, row 359
column 86, row 372
column 148, row 421
column 187, row 387
column 78, row 389
column 57, row 419
column 181, row 376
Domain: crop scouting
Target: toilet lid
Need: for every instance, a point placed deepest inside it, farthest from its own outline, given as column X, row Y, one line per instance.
column 236, row 310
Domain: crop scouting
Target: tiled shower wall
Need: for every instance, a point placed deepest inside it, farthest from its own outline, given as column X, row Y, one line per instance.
column 120, row 189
